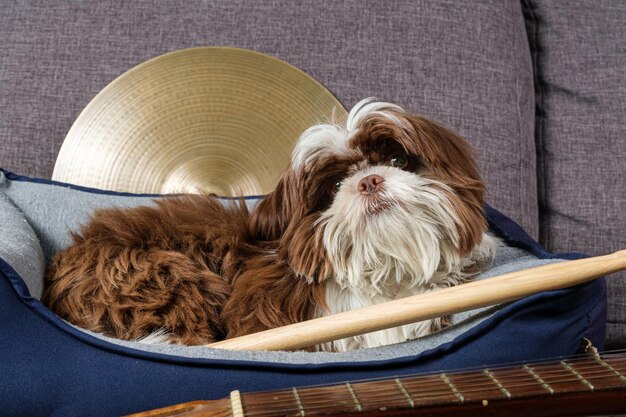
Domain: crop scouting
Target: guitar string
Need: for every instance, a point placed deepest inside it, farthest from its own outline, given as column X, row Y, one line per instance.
column 312, row 404
column 459, row 372
column 555, row 377
column 309, row 407
column 309, row 403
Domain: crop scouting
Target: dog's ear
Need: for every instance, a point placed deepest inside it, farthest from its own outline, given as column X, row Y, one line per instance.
column 303, row 249
column 447, row 151
column 273, row 213
column 451, row 159
column 283, row 216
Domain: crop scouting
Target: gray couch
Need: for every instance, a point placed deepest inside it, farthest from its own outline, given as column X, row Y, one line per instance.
column 536, row 86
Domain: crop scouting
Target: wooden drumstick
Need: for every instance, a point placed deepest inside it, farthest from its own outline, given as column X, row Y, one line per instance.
column 476, row 294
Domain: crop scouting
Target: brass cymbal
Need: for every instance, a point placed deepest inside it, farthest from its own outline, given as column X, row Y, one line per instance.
column 209, row 119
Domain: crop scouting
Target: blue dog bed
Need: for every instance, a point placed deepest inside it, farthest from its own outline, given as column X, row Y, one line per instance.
column 50, row 367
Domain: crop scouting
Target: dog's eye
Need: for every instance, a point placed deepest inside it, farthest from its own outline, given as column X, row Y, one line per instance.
column 337, row 186
column 399, row 161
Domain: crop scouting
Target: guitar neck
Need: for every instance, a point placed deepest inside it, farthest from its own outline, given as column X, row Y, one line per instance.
column 583, row 386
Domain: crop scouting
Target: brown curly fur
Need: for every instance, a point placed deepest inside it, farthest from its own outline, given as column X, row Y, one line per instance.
column 269, row 290
column 189, row 265
column 134, row 271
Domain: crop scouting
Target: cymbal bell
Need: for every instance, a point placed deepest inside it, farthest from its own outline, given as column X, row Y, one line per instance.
column 210, row 119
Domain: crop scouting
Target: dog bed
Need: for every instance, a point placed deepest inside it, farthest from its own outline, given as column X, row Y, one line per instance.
column 50, row 367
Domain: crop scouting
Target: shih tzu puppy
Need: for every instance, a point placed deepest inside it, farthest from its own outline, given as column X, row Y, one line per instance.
column 387, row 206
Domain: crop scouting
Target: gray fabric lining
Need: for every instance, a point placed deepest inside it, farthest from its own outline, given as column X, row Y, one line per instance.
column 52, row 210
column 20, row 247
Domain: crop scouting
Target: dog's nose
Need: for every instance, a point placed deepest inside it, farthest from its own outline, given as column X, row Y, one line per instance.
column 370, row 184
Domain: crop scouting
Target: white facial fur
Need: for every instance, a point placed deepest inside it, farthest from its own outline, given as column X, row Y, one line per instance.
column 318, row 141
column 401, row 243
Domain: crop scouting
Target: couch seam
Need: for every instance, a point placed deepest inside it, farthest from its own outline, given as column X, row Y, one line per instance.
column 542, row 189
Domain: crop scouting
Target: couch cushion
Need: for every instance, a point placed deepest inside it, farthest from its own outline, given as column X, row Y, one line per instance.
column 466, row 64
column 580, row 60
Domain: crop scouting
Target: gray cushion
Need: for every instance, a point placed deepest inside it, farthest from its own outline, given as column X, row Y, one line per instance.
column 580, row 59
column 466, row 64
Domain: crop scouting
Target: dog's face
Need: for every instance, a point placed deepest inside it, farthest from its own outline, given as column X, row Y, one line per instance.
column 388, row 198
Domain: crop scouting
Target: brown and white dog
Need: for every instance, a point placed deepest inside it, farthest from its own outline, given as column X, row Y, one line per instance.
column 388, row 206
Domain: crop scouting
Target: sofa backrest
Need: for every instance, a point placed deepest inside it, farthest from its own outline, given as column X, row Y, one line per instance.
column 465, row 64
column 579, row 55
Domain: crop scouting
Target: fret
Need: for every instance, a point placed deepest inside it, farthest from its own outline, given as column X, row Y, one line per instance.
column 543, row 383
column 235, row 404
column 405, row 393
column 498, row 383
column 610, row 368
column 296, row 396
column 455, row 391
column 357, row 404
column 577, row 375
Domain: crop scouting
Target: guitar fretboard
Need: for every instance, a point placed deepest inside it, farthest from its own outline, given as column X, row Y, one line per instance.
column 590, row 374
